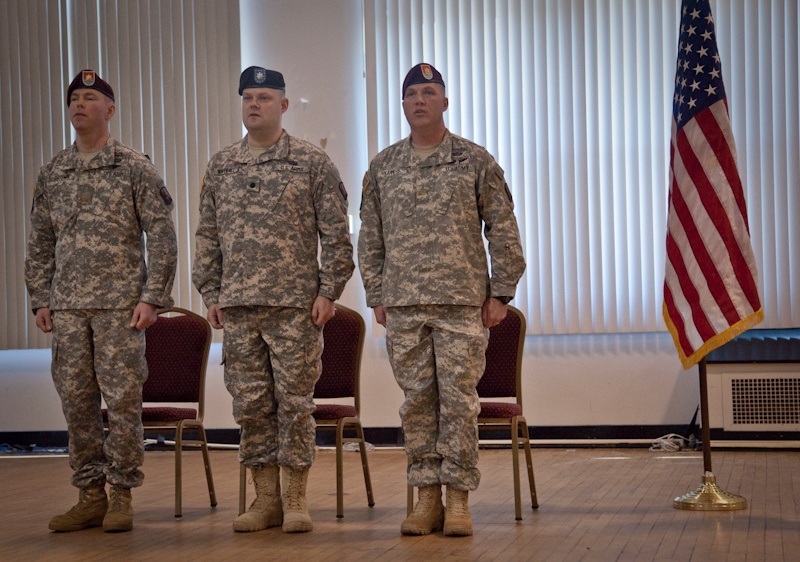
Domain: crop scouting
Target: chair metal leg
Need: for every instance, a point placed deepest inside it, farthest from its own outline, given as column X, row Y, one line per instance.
column 362, row 447
column 339, row 469
column 527, row 444
column 178, row 468
column 343, row 425
column 515, row 461
column 212, row 494
column 182, row 426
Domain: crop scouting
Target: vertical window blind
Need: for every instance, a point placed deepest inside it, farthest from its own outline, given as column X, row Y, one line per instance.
column 170, row 64
column 573, row 98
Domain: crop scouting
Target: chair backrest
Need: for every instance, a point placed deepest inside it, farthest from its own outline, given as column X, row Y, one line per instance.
column 177, row 355
column 341, row 356
column 502, row 376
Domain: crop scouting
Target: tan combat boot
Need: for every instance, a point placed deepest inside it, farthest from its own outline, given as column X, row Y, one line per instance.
column 266, row 510
column 295, row 507
column 457, row 520
column 88, row 512
column 120, row 512
column 427, row 515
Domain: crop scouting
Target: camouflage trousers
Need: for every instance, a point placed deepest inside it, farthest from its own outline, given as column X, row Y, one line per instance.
column 97, row 354
column 273, row 359
column 438, row 354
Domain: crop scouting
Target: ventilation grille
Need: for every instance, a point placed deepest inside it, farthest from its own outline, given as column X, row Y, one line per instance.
column 759, row 403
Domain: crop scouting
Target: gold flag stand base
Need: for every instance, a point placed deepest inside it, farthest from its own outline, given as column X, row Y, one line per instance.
column 708, row 497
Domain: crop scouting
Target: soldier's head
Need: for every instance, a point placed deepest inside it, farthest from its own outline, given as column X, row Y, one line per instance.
column 264, row 100
column 91, row 104
column 424, row 99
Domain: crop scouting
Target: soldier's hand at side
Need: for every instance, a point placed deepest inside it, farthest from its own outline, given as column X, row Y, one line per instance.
column 493, row 312
column 214, row 316
column 144, row 315
column 44, row 319
column 322, row 310
column 380, row 314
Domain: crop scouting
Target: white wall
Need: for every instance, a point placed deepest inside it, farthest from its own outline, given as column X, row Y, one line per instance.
column 568, row 380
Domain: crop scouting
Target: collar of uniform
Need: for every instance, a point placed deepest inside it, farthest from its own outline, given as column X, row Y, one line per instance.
column 442, row 155
column 103, row 159
column 278, row 151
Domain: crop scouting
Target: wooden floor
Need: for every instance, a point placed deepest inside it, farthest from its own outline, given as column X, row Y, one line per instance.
column 597, row 504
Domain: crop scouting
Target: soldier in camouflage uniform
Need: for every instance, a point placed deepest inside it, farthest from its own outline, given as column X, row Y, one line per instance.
column 268, row 202
column 90, row 285
column 424, row 267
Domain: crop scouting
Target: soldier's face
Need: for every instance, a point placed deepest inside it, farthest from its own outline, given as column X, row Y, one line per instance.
column 262, row 109
column 424, row 105
column 89, row 110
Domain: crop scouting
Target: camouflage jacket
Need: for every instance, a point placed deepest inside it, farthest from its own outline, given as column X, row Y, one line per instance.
column 86, row 247
column 420, row 240
column 262, row 221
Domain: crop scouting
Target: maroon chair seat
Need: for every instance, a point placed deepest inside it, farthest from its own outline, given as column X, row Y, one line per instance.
column 334, row 411
column 160, row 415
column 500, row 410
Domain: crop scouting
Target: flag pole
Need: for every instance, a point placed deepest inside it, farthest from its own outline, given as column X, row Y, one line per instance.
column 708, row 496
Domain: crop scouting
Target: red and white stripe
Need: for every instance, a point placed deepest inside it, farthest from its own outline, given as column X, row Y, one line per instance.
column 710, row 284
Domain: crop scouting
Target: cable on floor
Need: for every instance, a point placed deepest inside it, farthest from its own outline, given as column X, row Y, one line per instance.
column 672, row 442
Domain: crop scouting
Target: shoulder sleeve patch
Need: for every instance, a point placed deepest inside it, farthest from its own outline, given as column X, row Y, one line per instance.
column 162, row 190
column 342, row 190
column 508, row 193
column 36, row 194
column 365, row 182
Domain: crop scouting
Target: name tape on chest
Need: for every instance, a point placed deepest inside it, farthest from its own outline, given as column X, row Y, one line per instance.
column 292, row 168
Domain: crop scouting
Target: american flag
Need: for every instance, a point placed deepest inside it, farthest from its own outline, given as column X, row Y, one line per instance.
column 710, row 280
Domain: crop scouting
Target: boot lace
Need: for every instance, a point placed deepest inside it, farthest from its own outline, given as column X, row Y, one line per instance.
column 263, row 494
column 115, row 501
column 426, row 503
column 85, row 502
column 293, row 493
column 458, row 508
column 262, row 487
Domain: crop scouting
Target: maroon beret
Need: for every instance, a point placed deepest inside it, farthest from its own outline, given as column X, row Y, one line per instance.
column 422, row 73
column 89, row 79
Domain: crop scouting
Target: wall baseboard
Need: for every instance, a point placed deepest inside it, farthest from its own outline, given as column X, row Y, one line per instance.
column 553, row 436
